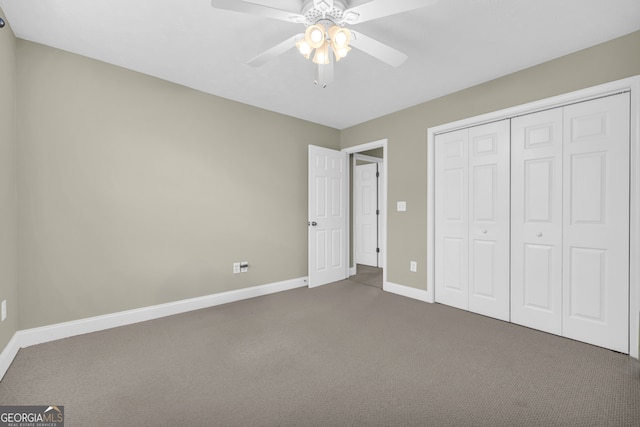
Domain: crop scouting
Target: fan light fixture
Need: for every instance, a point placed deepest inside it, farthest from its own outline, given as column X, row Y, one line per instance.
column 322, row 55
column 317, row 37
column 340, row 39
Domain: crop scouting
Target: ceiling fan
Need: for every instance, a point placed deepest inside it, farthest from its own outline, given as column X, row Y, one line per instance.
column 326, row 35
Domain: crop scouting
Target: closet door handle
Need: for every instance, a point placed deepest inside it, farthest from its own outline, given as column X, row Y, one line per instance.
column 484, row 231
column 539, row 234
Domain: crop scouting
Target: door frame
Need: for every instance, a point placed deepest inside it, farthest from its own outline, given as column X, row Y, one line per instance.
column 382, row 143
column 632, row 85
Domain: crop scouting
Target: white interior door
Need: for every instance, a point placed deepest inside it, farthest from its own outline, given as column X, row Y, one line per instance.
column 596, row 222
column 452, row 219
column 536, row 220
column 366, row 214
column 489, row 204
column 327, row 215
column 382, row 217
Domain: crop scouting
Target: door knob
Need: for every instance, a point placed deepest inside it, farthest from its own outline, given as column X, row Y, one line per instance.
column 539, row 234
column 313, row 223
column 484, row 231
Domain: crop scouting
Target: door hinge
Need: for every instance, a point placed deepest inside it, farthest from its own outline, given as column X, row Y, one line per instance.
column 377, row 250
column 377, row 211
column 377, row 174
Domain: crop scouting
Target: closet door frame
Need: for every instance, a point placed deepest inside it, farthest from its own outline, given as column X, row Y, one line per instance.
column 631, row 85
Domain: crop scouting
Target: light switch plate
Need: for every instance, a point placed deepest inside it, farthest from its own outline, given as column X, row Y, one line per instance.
column 413, row 266
column 402, row 206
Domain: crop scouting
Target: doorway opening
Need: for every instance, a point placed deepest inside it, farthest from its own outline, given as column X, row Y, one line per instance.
column 368, row 213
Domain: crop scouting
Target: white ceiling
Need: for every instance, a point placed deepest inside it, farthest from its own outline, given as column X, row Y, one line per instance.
column 452, row 44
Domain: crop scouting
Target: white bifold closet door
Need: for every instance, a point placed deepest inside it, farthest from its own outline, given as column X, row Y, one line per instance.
column 452, row 219
column 596, row 222
column 570, row 221
column 536, row 221
column 472, row 213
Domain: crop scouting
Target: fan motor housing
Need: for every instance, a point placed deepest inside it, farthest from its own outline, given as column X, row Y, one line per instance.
column 313, row 15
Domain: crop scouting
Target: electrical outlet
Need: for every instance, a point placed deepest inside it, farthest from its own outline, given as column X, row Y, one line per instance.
column 4, row 309
column 236, row 267
column 401, row 206
column 244, row 267
column 413, row 266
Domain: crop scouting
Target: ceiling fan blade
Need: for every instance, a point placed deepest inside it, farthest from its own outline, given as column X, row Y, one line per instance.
column 278, row 49
column 378, row 50
column 380, row 8
column 258, row 9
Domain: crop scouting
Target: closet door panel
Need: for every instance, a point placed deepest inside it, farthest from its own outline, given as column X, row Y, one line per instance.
column 452, row 219
column 596, row 222
column 489, row 219
column 536, row 220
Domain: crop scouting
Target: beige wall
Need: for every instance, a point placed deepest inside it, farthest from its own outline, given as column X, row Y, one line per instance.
column 407, row 135
column 8, row 200
column 135, row 191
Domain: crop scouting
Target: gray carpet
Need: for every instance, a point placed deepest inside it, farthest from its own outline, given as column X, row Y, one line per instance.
column 345, row 354
column 370, row 276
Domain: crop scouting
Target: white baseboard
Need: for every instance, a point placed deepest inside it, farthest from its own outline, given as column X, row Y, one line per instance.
column 29, row 337
column 407, row 291
column 8, row 354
